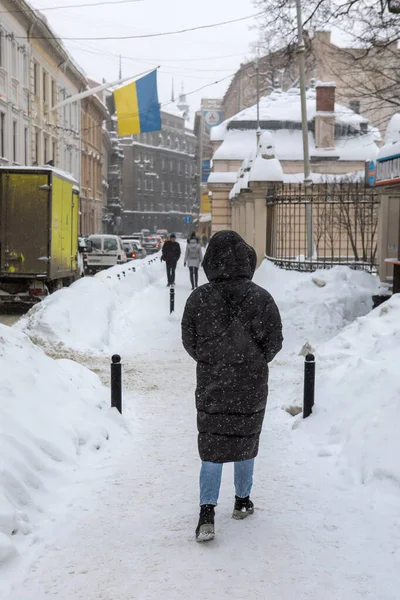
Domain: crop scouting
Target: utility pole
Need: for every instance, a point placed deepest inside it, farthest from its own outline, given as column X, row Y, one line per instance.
column 306, row 151
column 258, row 132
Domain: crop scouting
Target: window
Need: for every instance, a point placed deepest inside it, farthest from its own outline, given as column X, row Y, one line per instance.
column 26, row 146
column 171, row 187
column 36, row 79
column 37, row 147
column 171, row 166
column 14, row 60
column 2, row 49
column 54, row 151
column 179, row 188
column 53, row 93
column 45, row 94
column 110, row 245
column 96, row 243
column 164, row 165
column 139, row 184
column 151, row 185
column 25, row 71
column 145, row 185
column 15, row 141
column 3, row 134
column 46, row 149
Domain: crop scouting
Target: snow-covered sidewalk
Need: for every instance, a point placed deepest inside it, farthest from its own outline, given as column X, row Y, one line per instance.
column 127, row 530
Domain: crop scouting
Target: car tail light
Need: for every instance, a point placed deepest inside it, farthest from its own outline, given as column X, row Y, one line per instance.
column 133, row 255
column 85, row 256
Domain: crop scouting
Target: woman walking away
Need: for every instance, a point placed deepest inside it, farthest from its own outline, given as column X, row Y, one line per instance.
column 193, row 258
column 232, row 328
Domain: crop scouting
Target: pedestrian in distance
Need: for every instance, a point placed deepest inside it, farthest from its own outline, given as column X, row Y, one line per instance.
column 193, row 258
column 232, row 328
column 193, row 236
column 171, row 252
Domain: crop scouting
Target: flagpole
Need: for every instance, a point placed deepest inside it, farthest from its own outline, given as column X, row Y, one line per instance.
column 95, row 90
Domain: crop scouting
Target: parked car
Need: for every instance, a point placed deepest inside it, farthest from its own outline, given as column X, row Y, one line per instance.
column 129, row 251
column 163, row 233
column 84, row 247
column 106, row 251
column 137, row 246
column 152, row 244
column 133, row 249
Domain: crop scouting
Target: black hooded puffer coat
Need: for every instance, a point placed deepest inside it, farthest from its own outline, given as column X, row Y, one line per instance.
column 232, row 328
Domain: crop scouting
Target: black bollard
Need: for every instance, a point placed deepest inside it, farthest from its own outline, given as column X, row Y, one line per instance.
column 309, row 385
column 124, row 273
column 119, row 276
column 116, row 383
column 171, row 300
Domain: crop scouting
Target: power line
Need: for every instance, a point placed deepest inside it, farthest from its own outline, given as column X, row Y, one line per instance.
column 143, row 36
column 172, row 60
column 20, row 10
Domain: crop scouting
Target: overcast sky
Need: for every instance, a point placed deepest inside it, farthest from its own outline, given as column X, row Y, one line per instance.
column 194, row 59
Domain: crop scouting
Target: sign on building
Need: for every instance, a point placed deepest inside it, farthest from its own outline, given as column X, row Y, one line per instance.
column 212, row 118
column 205, row 170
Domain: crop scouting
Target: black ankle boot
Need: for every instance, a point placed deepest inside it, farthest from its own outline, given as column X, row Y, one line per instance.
column 205, row 529
column 243, row 508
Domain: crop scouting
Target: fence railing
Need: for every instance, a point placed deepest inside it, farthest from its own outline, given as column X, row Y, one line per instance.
column 322, row 226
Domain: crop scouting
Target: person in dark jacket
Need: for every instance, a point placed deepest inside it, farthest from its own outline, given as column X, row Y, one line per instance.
column 171, row 253
column 232, row 328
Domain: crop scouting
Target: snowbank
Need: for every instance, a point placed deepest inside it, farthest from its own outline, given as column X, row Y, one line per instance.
column 85, row 315
column 51, row 412
column 316, row 306
column 357, row 406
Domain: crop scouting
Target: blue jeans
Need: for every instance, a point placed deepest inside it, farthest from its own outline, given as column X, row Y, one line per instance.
column 210, row 480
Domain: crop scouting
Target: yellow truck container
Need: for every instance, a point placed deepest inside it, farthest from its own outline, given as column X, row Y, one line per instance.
column 39, row 216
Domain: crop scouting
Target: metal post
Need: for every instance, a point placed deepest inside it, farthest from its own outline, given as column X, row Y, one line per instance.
column 171, row 300
column 306, row 151
column 309, row 385
column 116, row 382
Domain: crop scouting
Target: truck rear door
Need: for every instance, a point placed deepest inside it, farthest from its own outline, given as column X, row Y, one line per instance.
column 24, row 214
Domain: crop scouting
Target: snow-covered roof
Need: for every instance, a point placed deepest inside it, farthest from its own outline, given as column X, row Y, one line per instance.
column 222, row 177
column 239, row 144
column 392, row 139
column 58, row 172
column 286, row 107
column 171, row 109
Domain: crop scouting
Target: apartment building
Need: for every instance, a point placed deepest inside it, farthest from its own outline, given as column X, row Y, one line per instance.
column 14, row 89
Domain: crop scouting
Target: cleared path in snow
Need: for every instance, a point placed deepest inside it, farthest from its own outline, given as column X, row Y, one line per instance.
column 132, row 537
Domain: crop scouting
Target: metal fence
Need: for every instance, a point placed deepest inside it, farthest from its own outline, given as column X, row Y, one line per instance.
column 322, row 226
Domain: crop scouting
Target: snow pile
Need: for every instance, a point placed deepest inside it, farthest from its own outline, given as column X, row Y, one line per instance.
column 51, row 412
column 357, row 409
column 84, row 316
column 316, row 306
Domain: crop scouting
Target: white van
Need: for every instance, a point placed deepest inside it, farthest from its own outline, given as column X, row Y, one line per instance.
column 105, row 251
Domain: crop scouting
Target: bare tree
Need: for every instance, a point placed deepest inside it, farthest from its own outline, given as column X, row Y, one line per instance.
column 369, row 67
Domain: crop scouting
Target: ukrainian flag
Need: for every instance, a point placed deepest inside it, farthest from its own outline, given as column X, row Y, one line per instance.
column 137, row 106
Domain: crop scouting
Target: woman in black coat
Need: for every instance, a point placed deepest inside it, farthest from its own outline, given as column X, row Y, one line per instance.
column 232, row 328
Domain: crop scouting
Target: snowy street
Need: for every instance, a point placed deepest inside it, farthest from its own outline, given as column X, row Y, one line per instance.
column 119, row 523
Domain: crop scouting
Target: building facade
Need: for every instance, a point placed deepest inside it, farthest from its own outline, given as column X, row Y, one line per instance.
column 340, row 143
column 159, row 177
column 15, row 57
column 93, row 199
column 115, row 205
column 361, row 77
column 36, row 74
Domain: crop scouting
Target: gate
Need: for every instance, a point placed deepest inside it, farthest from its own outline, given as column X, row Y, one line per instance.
column 322, row 225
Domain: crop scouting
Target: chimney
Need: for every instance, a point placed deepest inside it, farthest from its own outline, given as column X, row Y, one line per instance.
column 325, row 115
